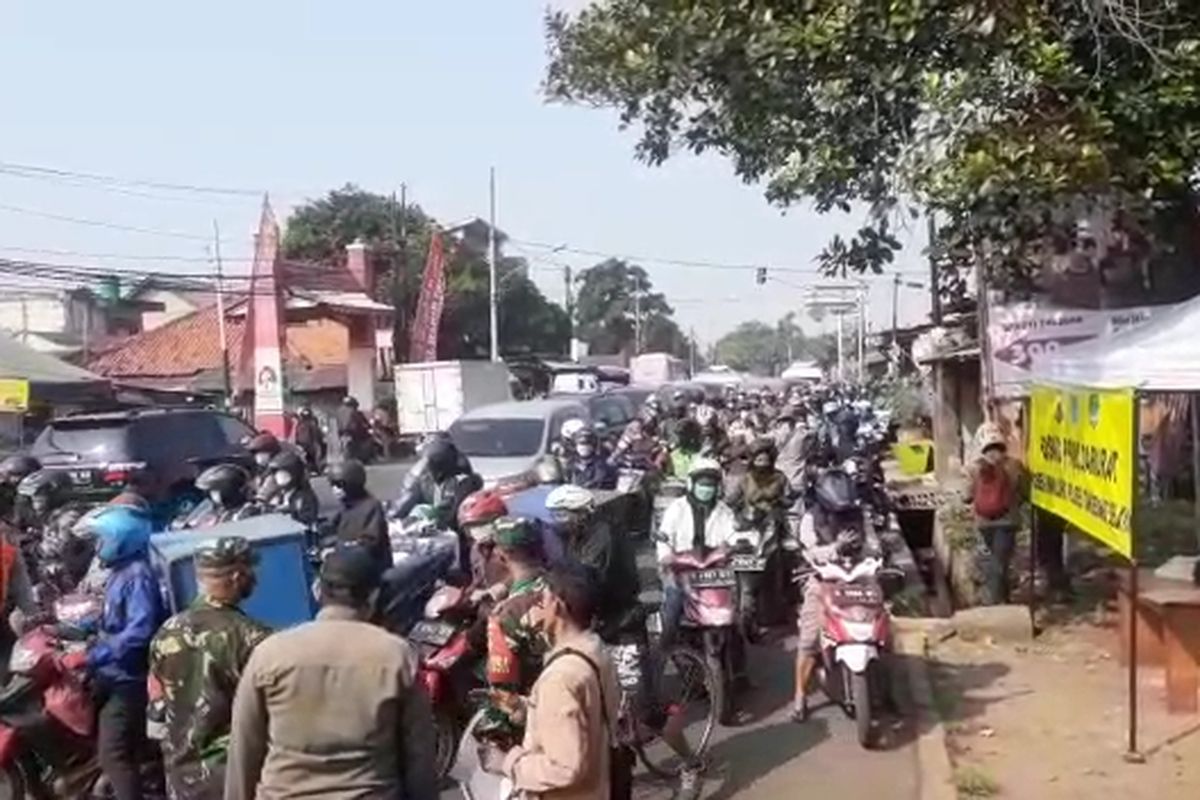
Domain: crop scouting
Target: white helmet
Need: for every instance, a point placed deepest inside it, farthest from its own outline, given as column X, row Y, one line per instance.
column 704, row 465
column 569, row 497
column 571, row 427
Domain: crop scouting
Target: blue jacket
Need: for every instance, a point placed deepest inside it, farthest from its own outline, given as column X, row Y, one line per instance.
column 133, row 610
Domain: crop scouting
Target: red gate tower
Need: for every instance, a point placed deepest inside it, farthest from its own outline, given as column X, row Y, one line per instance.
column 265, row 326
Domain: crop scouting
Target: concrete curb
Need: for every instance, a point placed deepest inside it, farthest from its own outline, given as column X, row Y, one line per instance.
column 935, row 775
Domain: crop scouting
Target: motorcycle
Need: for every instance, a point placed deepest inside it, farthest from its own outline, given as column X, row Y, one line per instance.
column 856, row 635
column 710, row 622
column 756, row 558
column 47, row 722
column 447, row 672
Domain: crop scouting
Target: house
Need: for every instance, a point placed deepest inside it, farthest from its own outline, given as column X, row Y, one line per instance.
column 168, row 300
column 66, row 322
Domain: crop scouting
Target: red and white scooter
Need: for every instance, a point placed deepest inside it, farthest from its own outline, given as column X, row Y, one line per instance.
column 856, row 635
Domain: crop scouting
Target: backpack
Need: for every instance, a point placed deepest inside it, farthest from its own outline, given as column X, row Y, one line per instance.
column 620, row 756
column 993, row 492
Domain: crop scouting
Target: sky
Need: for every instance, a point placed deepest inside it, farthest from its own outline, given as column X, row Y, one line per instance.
column 295, row 98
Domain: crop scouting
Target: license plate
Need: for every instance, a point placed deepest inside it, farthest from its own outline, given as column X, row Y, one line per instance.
column 748, row 563
column 432, row 632
column 81, row 477
column 713, row 578
column 852, row 594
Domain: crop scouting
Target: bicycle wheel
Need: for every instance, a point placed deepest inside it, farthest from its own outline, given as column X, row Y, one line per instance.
column 688, row 697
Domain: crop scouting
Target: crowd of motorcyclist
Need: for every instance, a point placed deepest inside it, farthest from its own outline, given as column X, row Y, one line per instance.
column 763, row 460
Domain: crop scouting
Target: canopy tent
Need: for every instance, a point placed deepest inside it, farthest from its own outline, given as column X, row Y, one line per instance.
column 50, row 379
column 1161, row 355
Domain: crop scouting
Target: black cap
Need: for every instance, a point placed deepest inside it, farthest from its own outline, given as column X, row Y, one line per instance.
column 350, row 567
column 225, row 553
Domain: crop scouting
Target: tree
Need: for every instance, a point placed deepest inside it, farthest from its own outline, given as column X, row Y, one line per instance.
column 1008, row 119
column 320, row 230
column 613, row 296
column 762, row 349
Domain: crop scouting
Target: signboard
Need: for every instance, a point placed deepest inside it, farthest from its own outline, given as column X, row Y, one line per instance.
column 14, row 394
column 1081, row 459
column 1018, row 332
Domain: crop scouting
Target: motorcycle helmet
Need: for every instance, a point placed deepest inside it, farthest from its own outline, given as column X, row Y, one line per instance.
column 704, row 479
column 225, row 484
column 481, row 508
column 570, row 498
column 689, row 434
column 441, row 456
column 348, row 475
column 585, row 442
column 122, row 534
column 349, row 402
column 44, row 489
column 570, row 428
column 263, row 447
column 834, row 492
column 288, row 469
column 14, row 468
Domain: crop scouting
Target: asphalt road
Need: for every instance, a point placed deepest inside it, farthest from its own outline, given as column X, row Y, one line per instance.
column 766, row 755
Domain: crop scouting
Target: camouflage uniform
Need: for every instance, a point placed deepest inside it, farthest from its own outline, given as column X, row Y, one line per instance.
column 196, row 660
column 516, row 645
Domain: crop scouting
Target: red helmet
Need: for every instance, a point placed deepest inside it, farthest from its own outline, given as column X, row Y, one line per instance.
column 481, row 508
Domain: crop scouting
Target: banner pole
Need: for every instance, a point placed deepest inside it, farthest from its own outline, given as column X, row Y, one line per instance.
column 1132, row 753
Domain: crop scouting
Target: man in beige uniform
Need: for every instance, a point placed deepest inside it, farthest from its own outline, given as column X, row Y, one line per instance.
column 329, row 708
column 573, row 706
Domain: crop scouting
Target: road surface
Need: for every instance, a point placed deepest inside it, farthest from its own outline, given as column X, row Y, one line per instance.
column 766, row 756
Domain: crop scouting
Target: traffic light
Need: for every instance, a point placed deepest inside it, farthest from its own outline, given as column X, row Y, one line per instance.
column 760, row 275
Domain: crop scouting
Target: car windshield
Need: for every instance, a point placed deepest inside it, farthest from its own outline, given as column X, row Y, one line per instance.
column 498, row 438
column 66, row 441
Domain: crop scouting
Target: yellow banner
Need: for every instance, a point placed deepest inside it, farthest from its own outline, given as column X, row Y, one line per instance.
column 14, row 394
column 1081, row 459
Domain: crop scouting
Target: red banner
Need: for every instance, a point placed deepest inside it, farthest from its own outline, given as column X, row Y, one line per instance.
column 423, row 345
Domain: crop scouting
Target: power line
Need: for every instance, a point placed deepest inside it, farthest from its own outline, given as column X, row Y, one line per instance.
column 101, row 223
column 112, row 179
column 75, row 183
column 120, row 256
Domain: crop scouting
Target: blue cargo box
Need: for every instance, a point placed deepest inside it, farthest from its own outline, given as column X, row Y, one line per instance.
column 283, row 596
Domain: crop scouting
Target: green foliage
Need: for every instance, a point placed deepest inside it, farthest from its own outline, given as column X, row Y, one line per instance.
column 761, row 349
column 1163, row 530
column 606, row 310
column 972, row 783
column 1007, row 118
column 320, row 230
column 907, row 397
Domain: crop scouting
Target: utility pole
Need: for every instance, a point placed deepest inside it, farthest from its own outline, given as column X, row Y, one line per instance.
column 841, row 353
column 895, row 306
column 221, row 333
column 493, row 321
column 692, row 351
column 862, row 334
column 935, row 300
column 637, row 321
column 570, row 306
column 399, row 268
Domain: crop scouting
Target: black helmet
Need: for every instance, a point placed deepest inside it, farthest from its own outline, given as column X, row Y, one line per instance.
column 349, row 474
column 229, row 480
column 306, row 410
column 263, row 443
column 760, row 446
column 689, row 431
column 16, row 467
column 441, row 455
column 350, row 402
column 834, row 492
column 586, row 435
column 47, row 482
column 288, row 461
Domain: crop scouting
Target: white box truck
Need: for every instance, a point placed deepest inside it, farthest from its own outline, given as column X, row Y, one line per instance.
column 432, row 394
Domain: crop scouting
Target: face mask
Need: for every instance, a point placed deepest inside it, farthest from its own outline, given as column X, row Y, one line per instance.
column 215, row 497
column 262, row 459
column 994, row 456
column 586, row 450
column 283, row 479
column 762, row 465
column 705, row 492
column 339, row 493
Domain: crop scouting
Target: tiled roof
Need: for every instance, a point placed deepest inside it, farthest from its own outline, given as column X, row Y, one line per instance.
column 190, row 345
column 298, row 276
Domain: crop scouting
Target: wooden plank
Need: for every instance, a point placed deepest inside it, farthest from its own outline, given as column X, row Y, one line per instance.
column 1181, row 636
column 1151, row 649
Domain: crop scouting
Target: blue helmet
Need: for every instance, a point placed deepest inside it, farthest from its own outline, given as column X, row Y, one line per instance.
column 122, row 533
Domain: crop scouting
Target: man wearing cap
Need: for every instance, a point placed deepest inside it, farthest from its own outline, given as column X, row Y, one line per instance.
column 515, row 644
column 196, row 659
column 330, row 708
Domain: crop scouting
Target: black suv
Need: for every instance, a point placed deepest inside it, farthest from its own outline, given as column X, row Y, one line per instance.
column 99, row 451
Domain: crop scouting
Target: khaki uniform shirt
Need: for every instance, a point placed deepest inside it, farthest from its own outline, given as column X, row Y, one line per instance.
column 565, row 753
column 329, row 709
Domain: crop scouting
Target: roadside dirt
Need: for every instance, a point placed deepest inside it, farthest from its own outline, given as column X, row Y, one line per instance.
column 1048, row 720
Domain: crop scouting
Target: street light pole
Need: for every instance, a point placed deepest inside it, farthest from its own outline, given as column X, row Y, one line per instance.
column 493, row 322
